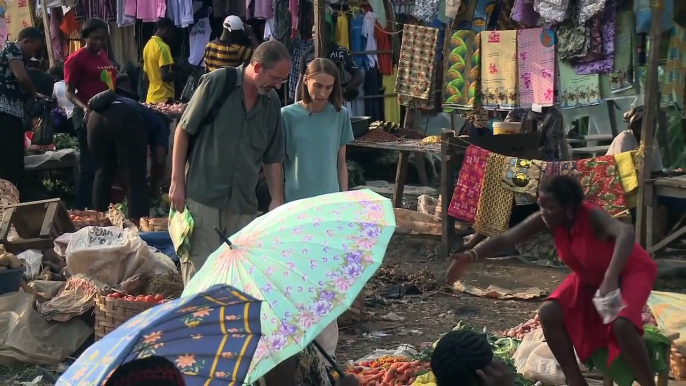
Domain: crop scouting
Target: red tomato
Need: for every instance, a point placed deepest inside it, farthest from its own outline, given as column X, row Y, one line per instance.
column 130, row 298
column 115, row 295
column 150, row 299
column 159, row 297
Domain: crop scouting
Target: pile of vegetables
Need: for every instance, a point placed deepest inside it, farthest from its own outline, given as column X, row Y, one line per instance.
column 176, row 108
column 84, row 218
column 9, row 260
column 389, row 370
column 152, row 299
column 519, row 331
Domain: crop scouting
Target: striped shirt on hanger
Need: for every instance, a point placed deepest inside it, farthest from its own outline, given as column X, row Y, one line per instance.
column 219, row 54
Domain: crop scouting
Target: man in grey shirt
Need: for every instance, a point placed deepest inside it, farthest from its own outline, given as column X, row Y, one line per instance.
column 219, row 187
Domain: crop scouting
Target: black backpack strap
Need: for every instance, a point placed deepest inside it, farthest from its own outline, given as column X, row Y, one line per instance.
column 229, row 86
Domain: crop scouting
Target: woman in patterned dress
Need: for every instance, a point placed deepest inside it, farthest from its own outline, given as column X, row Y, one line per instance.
column 604, row 257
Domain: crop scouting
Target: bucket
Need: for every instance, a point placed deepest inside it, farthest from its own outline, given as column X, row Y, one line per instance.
column 506, row 127
column 10, row 279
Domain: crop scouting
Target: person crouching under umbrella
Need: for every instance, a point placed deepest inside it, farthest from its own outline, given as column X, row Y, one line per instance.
column 120, row 130
column 150, row 371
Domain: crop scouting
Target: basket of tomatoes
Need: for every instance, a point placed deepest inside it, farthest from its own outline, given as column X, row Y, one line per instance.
column 84, row 218
column 113, row 310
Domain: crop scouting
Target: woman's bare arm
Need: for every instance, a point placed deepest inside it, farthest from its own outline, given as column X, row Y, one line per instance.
column 610, row 229
column 521, row 232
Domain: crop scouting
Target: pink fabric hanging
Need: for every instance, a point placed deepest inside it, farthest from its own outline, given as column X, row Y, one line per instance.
column 151, row 10
column 295, row 12
column 130, row 8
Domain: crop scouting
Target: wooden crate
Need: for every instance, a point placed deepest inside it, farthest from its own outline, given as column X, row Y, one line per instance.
column 152, row 224
column 111, row 313
column 677, row 363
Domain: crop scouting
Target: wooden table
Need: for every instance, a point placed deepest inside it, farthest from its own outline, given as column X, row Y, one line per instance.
column 405, row 148
column 674, row 187
column 453, row 150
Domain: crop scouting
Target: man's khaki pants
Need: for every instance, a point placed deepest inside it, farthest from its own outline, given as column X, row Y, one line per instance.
column 205, row 239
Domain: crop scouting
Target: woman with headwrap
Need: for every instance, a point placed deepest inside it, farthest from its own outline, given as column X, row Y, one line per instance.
column 630, row 138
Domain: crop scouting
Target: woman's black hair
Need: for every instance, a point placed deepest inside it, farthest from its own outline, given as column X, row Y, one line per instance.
column 31, row 33
column 91, row 25
column 566, row 190
column 150, row 371
column 57, row 71
column 457, row 357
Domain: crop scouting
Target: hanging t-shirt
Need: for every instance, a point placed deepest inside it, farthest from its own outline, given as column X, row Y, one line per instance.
column 151, row 10
column 199, row 37
column 342, row 33
column 89, row 73
column 356, row 41
column 368, row 26
column 391, row 108
column 383, row 43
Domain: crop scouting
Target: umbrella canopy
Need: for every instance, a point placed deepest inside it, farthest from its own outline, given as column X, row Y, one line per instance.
column 210, row 336
column 307, row 260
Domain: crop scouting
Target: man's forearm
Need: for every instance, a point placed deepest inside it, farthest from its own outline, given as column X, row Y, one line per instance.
column 273, row 173
column 343, row 177
column 179, row 155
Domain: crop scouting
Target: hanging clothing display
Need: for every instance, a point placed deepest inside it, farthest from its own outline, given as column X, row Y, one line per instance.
column 552, row 11
column 426, row 10
column 577, row 90
column 17, row 17
column 103, row 9
column 523, row 12
column 368, row 27
column 467, row 193
column 151, row 11
column 622, row 75
column 495, row 202
column 262, row 9
column 499, row 69
column 124, row 20
column 356, row 42
column 391, row 109
column 342, row 33
column 417, row 61
column 536, row 62
column 675, row 69
column 383, row 45
column 605, row 61
column 464, row 71
column 181, row 12
column 199, row 37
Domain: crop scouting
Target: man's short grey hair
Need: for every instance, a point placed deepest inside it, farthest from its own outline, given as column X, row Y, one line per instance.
column 270, row 53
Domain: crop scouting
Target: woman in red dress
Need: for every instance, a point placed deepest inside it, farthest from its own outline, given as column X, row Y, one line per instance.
column 603, row 256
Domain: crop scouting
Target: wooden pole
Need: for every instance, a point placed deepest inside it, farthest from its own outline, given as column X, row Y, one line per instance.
column 650, row 108
column 321, row 37
column 48, row 37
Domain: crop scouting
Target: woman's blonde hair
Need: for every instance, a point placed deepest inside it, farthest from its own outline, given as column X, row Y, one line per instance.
column 325, row 66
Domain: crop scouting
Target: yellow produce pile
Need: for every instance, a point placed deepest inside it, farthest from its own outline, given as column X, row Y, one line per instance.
column 431, row 139
column 9, row 260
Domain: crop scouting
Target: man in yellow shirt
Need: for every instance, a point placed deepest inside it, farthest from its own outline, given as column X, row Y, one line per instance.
column 158, row 61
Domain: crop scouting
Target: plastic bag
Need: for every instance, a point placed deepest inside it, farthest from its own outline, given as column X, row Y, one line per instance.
column 609, row 306
column 541, row 365
column 112, row 255
column 32, row 262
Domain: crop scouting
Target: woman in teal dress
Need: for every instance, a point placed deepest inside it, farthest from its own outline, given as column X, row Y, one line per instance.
column 316, row 130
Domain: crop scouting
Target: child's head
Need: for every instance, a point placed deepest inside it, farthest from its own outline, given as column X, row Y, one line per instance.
column 457, row 357
column 124, row 82
column 57, row 72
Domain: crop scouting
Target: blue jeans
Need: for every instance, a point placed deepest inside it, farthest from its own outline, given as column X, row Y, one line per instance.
column 86, row 165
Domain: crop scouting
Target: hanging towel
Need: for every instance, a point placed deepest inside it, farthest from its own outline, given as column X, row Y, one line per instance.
column 522, row 175
column 627, row 171
column 600, row 181
column 465, row 200
column 536, row 62
column 499, row 69
column 495, row 202
column 622, row 76
column 577, row 90
column 608, row 34
column 416, row 69
column 464, row 67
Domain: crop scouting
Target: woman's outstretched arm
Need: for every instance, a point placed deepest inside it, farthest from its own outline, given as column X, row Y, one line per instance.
column 521, row 232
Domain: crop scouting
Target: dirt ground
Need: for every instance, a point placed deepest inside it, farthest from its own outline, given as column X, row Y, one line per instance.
column 420, row 319
column 435, row 312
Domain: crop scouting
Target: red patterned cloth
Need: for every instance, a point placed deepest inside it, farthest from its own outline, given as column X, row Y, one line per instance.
column 465, row 199
column 601, row 183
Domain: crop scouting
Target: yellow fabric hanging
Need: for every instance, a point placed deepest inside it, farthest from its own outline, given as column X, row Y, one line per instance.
column 627, row 171
column 342, row 34
column 391, row 108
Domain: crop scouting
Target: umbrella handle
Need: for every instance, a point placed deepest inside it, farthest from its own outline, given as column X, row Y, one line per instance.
column 328, row 358
column 223, row 237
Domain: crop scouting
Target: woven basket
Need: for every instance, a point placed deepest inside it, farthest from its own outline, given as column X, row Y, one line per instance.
column 354, row 314
column 154, row 224
column 677, row 362
column 111, row 313
column 89, row 218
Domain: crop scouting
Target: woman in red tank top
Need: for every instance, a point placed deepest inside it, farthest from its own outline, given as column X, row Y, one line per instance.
column 603, row 256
